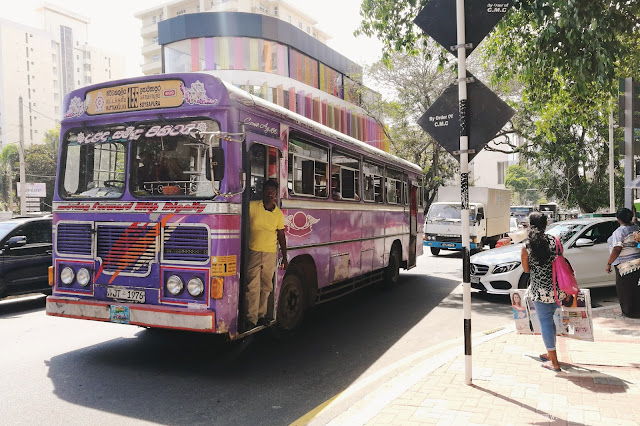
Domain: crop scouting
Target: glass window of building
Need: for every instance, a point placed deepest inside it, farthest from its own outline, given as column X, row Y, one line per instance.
column 330, row 81
column 226, row 53
column 303, row 68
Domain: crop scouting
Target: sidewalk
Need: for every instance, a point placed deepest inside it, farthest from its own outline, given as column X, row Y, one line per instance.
column 599, row 383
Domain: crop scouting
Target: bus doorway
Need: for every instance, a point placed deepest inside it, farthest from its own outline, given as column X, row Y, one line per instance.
column 262, row 165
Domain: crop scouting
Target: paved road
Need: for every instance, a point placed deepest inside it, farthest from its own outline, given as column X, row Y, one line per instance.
column 58, row 370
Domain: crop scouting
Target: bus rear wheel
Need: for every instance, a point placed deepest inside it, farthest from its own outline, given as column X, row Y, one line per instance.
column 435, row 251
column 392, row 273
column 291, row 303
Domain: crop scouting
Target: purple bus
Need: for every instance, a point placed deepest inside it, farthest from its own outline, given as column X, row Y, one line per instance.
column 150, row 210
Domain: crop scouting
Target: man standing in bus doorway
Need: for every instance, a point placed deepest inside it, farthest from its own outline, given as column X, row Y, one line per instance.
column 266, row 231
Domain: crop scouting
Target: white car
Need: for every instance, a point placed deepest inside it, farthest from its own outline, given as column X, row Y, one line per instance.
column 585, row 246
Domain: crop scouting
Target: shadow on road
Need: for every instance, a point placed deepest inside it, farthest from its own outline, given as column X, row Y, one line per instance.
column 184, row 378
column 21, row 305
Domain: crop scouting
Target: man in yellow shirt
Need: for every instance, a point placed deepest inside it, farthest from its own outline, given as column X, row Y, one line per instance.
column 266, row 231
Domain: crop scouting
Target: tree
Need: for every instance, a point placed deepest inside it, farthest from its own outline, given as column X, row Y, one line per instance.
column 518, row 180
column 41, row 162
column 566, row 57
column 9, row 163
column 413, row 84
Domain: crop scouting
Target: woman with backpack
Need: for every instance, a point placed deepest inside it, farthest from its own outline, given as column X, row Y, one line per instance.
column 537, row 257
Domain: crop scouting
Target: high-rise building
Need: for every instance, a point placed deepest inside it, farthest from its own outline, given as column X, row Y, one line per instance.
column 42, row 64
column 266, row 47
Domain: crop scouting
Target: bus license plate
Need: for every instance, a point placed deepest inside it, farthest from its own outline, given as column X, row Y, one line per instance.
column 122, row 293
column 448, row 244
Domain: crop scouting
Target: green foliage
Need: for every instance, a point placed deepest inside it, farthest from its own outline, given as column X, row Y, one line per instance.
column 563, row 58
column 519, row 180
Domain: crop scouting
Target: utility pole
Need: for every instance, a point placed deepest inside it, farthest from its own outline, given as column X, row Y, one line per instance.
column 23, row 180
column 612, row 201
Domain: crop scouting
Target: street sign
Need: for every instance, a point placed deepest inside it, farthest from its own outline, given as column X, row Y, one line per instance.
column 438, row 19
column 486, row 115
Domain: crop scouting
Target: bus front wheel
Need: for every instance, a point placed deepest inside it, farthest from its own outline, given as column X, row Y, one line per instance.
column 291, row 303
column 435, row 251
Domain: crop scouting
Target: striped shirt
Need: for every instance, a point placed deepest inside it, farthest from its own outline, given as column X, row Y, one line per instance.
column 623, row 237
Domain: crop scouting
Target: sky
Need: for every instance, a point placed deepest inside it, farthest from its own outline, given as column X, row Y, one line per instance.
column 113, row 27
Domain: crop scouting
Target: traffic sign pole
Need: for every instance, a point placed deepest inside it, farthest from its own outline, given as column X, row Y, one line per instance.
column 464, row 187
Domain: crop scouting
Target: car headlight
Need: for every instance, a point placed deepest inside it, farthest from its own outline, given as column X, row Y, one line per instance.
column 83, row 277
column 175, row 285
column 67, row 275
column 505, row 267
column 195, row 287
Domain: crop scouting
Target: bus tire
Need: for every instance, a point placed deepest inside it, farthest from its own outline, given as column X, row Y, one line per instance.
column 392, row 272
column 435, row 251
column 291, row 303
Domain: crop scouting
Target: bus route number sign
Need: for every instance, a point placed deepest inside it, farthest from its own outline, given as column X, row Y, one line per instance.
column 223, row 266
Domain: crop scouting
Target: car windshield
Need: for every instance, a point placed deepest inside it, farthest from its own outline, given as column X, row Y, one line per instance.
column 6, row 227
column 441, row 212
column 564, row 231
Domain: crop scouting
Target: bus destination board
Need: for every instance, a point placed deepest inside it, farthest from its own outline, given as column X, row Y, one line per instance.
column 134, row 97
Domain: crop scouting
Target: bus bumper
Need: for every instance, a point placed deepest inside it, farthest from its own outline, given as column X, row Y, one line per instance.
column 132, row 313
column 448, row 245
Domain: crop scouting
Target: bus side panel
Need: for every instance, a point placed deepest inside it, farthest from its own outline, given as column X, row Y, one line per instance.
column 395, row 222
column 345, row 258
column 367, row 250
column 225, row 248
column 373, row 232
column 308, row 228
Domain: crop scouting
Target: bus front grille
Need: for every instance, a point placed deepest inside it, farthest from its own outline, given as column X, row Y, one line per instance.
column 128, row 249
column 74, row 238
column 186, row 243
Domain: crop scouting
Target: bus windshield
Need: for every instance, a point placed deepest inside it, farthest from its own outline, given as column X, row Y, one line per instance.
column 164, row 159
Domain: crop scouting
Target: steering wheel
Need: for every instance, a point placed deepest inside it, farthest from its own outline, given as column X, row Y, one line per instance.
column 114, row 183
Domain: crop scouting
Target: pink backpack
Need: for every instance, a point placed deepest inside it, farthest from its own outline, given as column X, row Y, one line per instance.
column 563, row 275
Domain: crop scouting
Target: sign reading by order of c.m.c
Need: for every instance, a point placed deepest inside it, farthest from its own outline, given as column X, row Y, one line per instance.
column 132, row 97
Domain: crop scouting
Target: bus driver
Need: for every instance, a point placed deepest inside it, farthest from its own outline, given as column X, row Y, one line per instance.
column 266, row 222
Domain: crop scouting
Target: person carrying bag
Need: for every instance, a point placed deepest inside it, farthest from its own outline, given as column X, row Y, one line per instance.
column 563, row 275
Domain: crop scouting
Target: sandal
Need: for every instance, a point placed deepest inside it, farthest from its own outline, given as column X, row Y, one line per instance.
column 549, row 366
column 544, row 357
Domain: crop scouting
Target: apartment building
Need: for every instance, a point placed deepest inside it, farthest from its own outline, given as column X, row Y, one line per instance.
column 42, row 64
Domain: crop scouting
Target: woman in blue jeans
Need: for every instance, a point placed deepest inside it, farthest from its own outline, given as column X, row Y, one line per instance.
column 537, row 257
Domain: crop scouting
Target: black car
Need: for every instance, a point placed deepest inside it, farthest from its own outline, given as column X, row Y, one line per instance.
column 25, row 255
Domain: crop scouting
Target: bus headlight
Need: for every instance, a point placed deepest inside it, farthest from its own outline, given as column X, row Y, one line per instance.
column 67, row 276
column 175, row 285
column 195, row 287
column 83, row 277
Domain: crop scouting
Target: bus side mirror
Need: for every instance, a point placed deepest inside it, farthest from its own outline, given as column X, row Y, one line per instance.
column 217, row 163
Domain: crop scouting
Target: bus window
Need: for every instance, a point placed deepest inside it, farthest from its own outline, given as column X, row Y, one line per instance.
column 308, row 169
column 263, row 160
column 372, row 182
column 345, row 177
column 394, row 187
column 93, row 170
column 169, row 160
